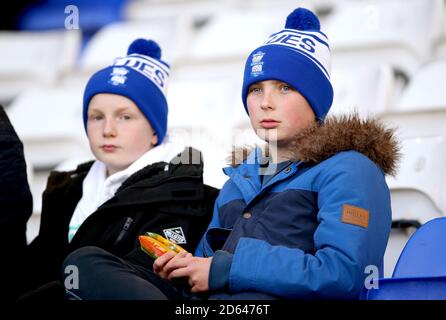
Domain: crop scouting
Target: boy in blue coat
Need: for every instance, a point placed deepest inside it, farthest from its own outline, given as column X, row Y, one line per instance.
column 305, row 217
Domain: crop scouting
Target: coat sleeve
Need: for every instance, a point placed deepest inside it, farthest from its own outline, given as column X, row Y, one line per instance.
column 15, row 195
column 15, row 210
column 343, row 247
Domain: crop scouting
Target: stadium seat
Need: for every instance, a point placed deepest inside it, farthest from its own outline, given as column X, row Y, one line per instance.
column 368, row 90
column 420, row 273
column 49, row 122
column 204, row 104
column 416, row 191
column 113, row 40
column 440, row 50
column 32, row 227
column 440, row 45
column 200, row 10
column 420, row 111
column 50, row 14
column 401, row 33
column 205, row 95
column 424, row 254
column 425, row 91
column 41, row 57
column 232, row 34
column 399, row 235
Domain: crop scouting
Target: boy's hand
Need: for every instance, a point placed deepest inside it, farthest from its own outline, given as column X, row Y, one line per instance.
column 160, row 263
column 194, row 268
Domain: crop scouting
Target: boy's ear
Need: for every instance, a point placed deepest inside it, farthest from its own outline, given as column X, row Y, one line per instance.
column 154, row 139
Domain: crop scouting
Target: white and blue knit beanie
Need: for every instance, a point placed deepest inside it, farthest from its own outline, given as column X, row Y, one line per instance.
column 298, row 55
column 142, row 77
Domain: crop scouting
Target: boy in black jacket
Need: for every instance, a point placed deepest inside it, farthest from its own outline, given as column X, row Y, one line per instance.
column 141, row 180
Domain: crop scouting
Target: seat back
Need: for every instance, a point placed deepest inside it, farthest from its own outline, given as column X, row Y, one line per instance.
column 28, row 58
column 377, row 31
column 365, row 89
column 113, row 40
column 49, row 122
column 431, row 288
column 425, row 91
column 417, row 190
column 420, row 273
column 424, row 254
column 242, row 30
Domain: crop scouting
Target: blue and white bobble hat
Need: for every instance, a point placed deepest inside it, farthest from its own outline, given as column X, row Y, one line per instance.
column 140, row 76
column 298, row 55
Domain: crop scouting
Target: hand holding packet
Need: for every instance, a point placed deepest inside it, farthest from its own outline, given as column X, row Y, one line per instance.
column 155, row 245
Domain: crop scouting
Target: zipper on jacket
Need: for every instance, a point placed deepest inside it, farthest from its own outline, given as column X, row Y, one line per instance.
column 124, row 230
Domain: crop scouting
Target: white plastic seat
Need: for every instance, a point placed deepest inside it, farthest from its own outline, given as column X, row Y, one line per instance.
column 440, row 49
column 197, row 9
column 27, row 58
column 368, row 90
column 417, row 192
column 113, row 40
column 426, row 90
column 418, row 189
column 398, row 32
column 205, row 108
column 233, row 34
column 421, row 109
column 440, row 45
column 202, row 99
column 32, row 227
column 205, row 95
column 49, row 122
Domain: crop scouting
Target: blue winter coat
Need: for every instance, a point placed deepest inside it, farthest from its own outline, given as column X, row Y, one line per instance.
column 312, row 229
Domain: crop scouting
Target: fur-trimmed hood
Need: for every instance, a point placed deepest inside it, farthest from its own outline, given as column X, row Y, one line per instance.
column 336, row 134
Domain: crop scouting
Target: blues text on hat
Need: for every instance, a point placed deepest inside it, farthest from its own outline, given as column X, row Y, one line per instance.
column 150, row 68
column 313, row 45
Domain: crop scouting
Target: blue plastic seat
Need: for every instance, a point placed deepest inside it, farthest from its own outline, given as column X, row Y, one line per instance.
column 50, row 14
column 420, row 273
column 418, row 288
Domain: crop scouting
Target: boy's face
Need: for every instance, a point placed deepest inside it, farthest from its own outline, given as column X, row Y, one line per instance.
column 118, row 132
column 277, row 110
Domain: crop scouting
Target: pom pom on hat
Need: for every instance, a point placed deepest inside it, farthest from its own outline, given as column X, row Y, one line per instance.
column 302, row 19
column 145, row 47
